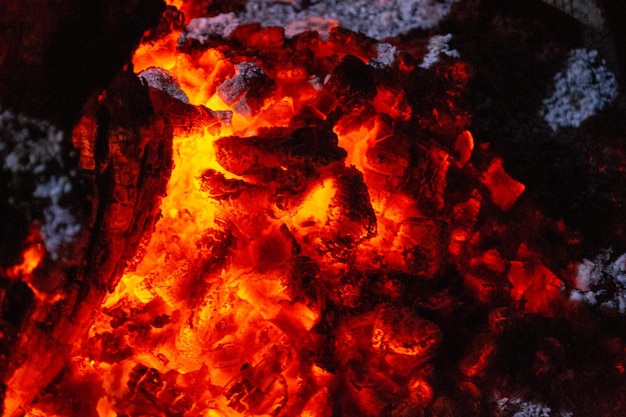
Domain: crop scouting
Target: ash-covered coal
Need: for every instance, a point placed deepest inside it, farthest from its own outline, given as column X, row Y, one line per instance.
column 247, row 90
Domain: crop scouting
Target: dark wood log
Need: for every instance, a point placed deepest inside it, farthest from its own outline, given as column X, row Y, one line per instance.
column 126, row 151
column 54, row 55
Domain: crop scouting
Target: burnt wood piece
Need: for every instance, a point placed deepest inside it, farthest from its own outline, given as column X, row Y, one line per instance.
column 350, row 210
column 278, row 154
column 54, row 54
column 247, row 90
column 126, row 149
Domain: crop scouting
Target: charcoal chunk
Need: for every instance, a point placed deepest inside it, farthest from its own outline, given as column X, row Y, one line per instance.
column 203, row 29
column 303, row 276
column 389, row 156
column 186, row 118
column 254, row 35
column 218, row 187
column 257, row 389
column 113, row 347
column 279, row 156
column 424, row 243
column 352, row 81
column 241, row 156
column 145, row 382
column 430, row 173
column 398, row 330
column 162, row 80
column 247, row 90
column 315, row 144
column 351, row 210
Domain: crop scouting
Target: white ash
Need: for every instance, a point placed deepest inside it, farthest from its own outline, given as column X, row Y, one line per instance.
column 438, row 46
column 321, row 25
column 602, row 282
column 584, row 88
column 377, row 19
column 39, row 171
column 60, row 227
column 202, row 29
column 315, row 82
column 518, row 407
column 385, row 55
column 162, row 80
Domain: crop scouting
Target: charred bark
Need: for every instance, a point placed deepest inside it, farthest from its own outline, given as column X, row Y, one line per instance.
column 53, row 56
column 126, row 154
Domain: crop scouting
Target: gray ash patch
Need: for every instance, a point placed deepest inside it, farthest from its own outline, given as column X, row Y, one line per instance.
column 377, row 19
column 40, row 178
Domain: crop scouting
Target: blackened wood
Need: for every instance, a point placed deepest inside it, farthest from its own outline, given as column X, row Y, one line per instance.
column 127, row 150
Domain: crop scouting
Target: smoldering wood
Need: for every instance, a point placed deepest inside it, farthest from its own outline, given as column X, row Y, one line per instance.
column 54, row 55
column 364, row 381
column 129, row 146
column 265, row 157
column 247, row 90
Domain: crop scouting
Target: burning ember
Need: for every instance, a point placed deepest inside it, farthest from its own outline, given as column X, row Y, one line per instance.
column 320, row 236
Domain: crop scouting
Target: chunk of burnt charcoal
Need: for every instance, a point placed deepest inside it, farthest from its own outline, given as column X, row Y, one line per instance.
column 204, row 29
column 113, row 347
column 424, row 244
column 144, row 381
column 406, row 339
column 241, row 156
column 303, row 279
column 215, row 185
column 350, row 42
column 186, row 118
column 162, row 80
column 351, row 208
column 318, row 145
column 389, row 156
column 352, row 81
column 247, row 90
column 430, row 174
column 276, row 151
column 295, row 246
column 255, row 36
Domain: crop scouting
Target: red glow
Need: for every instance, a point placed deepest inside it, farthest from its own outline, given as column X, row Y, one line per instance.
column 285, row 215
column 535, row 286
column 504, row 190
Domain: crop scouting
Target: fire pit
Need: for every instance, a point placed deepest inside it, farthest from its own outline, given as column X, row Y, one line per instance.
column 258, row 221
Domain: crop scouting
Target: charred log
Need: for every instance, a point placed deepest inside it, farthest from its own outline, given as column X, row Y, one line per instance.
column 126, row 151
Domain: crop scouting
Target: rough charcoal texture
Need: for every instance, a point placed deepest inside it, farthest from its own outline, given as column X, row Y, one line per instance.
column 55, row 55
column 451, row 312
column 247, row 90
column 126, row 150
column 263, row 158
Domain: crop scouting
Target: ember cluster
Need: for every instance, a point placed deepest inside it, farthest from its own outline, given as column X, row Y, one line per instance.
column 331, row 244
